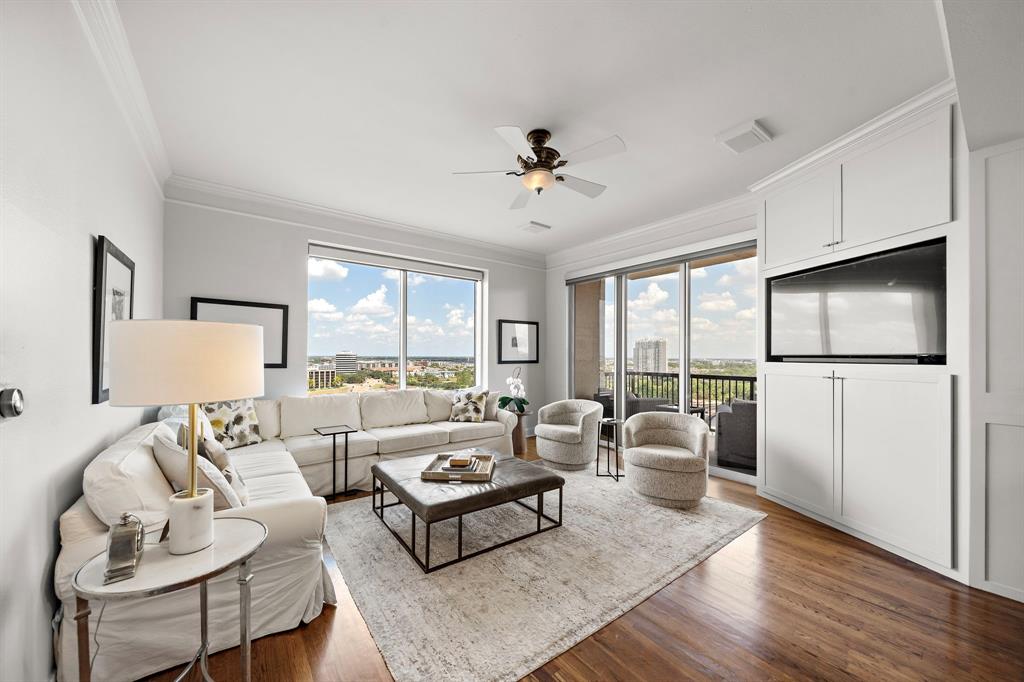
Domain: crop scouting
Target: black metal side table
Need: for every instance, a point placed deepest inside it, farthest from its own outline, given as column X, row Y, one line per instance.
column 334, row 432
column 609, row 424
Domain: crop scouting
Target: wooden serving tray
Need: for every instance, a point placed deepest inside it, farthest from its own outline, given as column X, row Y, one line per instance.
column 481, row 474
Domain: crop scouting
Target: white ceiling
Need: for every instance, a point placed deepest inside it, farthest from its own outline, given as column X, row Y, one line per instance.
column 369, row 107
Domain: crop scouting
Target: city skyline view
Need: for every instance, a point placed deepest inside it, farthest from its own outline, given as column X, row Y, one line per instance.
column 722, row 312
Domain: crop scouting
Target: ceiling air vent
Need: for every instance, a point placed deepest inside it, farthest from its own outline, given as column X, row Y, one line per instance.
column 534, row 227
column 743, row 137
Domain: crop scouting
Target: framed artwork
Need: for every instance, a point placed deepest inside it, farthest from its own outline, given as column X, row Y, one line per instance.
column 113, row 298
column 518, row 342
column 273, row 317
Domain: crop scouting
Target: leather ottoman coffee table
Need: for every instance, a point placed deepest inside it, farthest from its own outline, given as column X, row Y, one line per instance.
column 512, row 481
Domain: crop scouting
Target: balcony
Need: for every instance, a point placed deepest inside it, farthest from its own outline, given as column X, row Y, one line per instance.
column 649, row 391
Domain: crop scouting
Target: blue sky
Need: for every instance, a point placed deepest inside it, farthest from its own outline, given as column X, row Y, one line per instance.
column 355, row 308
column 723, row 301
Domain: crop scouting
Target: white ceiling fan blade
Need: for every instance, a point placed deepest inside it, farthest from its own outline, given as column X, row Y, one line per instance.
column 516, row 139
column 590, row 189
column 481, row 172
column 521, row 199
column 598, row 150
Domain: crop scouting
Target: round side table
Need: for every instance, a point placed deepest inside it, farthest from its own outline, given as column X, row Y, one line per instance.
column 159, row 572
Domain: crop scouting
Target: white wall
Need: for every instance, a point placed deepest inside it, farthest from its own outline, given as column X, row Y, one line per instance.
column 253, row 248
column 71, row 170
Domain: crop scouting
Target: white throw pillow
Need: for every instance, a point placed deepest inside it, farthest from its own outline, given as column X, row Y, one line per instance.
column 173, row 461
column 469, row 406
column 439, row 404
column 392, row 408
column 268, row 413
column 177, row 415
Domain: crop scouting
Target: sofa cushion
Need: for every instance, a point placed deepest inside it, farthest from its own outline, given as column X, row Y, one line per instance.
column 439, row 404
column 392, row 408
column 299, row 416
column 563, row 433
column 271, row 445
column 463, row 431
column 259, row 464
column 268, row 413
column 665, row 458
column 317, row 449
column 173, row 461
column 126, row 478
column 277, row 487
column 408, row 437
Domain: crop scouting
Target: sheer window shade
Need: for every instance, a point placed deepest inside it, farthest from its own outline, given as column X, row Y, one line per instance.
column 382, row 261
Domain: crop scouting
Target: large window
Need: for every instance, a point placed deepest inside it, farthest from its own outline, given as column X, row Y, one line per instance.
column 377, row 323
column 673, row 336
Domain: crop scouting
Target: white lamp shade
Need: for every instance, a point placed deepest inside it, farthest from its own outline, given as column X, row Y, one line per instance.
column 173, row 362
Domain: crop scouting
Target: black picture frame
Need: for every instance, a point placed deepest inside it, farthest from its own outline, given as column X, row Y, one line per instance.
column 277, row 362
column 112, row 270
column 509, row 334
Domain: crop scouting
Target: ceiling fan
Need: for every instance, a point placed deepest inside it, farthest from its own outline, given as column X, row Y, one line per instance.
column 538, row 163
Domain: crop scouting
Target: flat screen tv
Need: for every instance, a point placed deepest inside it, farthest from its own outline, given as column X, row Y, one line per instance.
column 886, row 307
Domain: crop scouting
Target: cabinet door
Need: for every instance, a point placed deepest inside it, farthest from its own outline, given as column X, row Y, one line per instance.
column 895, row 475
column 798, row 417
column 799, row 221
column 900, row 184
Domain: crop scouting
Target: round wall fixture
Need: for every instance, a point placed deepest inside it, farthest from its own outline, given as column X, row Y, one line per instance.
column 12, row 402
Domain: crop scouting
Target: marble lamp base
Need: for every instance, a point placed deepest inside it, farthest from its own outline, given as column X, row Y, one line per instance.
column 191, row 521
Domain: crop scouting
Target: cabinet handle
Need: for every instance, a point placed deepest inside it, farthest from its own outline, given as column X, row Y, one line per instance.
column 825, row 246
column 829, row 378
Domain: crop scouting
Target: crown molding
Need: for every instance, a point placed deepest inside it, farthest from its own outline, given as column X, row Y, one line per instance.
column 941, row 94
column 695, row 220
column 101, row 23
column 186, row 190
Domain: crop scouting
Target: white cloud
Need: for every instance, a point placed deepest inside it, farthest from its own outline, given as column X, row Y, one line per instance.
column 698, row 273
column 649, row 297
column 747, row 314
column 747, row 267
column 713, row 302
column 725, row 280
column 702, row 324
column 394, row 275
column 751, row 292
column 320, row 305
column 326, row 269
column 374, row 304
column 667, row 315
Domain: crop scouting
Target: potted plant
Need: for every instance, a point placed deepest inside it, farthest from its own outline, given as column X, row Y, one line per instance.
column 518, row 399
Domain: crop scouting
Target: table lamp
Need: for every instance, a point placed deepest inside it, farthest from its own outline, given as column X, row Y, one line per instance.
column 175, row 362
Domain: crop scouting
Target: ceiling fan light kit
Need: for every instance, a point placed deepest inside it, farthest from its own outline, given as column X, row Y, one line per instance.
column 538, row 163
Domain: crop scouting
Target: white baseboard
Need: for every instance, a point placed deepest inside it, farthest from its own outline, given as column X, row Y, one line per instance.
column 730, row 475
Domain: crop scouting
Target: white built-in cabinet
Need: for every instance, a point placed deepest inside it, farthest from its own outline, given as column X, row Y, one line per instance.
column 867, row 447
column 892, row 185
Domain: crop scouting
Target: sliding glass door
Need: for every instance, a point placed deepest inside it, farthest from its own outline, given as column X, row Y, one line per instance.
column 595, row 342
column 653, row 329
column 676, row 336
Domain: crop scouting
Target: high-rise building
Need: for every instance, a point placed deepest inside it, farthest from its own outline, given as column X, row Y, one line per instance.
column 650, row 355
column 346, row 362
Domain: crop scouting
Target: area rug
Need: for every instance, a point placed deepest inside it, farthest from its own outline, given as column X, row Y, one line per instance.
column 500, row 615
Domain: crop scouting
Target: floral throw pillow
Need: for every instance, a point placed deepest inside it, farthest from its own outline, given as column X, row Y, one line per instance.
column 234, row 423
column 468, row 406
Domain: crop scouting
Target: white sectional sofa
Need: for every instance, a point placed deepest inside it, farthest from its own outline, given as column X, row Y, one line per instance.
column 283, row 474
column 140, row 637
column 391, row 424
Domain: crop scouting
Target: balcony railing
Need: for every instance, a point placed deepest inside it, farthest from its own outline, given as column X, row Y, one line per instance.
column 647, row 390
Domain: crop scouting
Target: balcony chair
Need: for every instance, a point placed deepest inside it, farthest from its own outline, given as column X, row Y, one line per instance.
column 567, row 433
column 666, row 458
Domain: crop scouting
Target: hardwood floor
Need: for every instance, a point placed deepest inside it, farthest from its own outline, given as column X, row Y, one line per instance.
column 789, row 599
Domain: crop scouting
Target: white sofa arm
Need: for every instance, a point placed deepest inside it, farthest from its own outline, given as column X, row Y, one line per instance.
column 508, row 419
column 296, row 523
